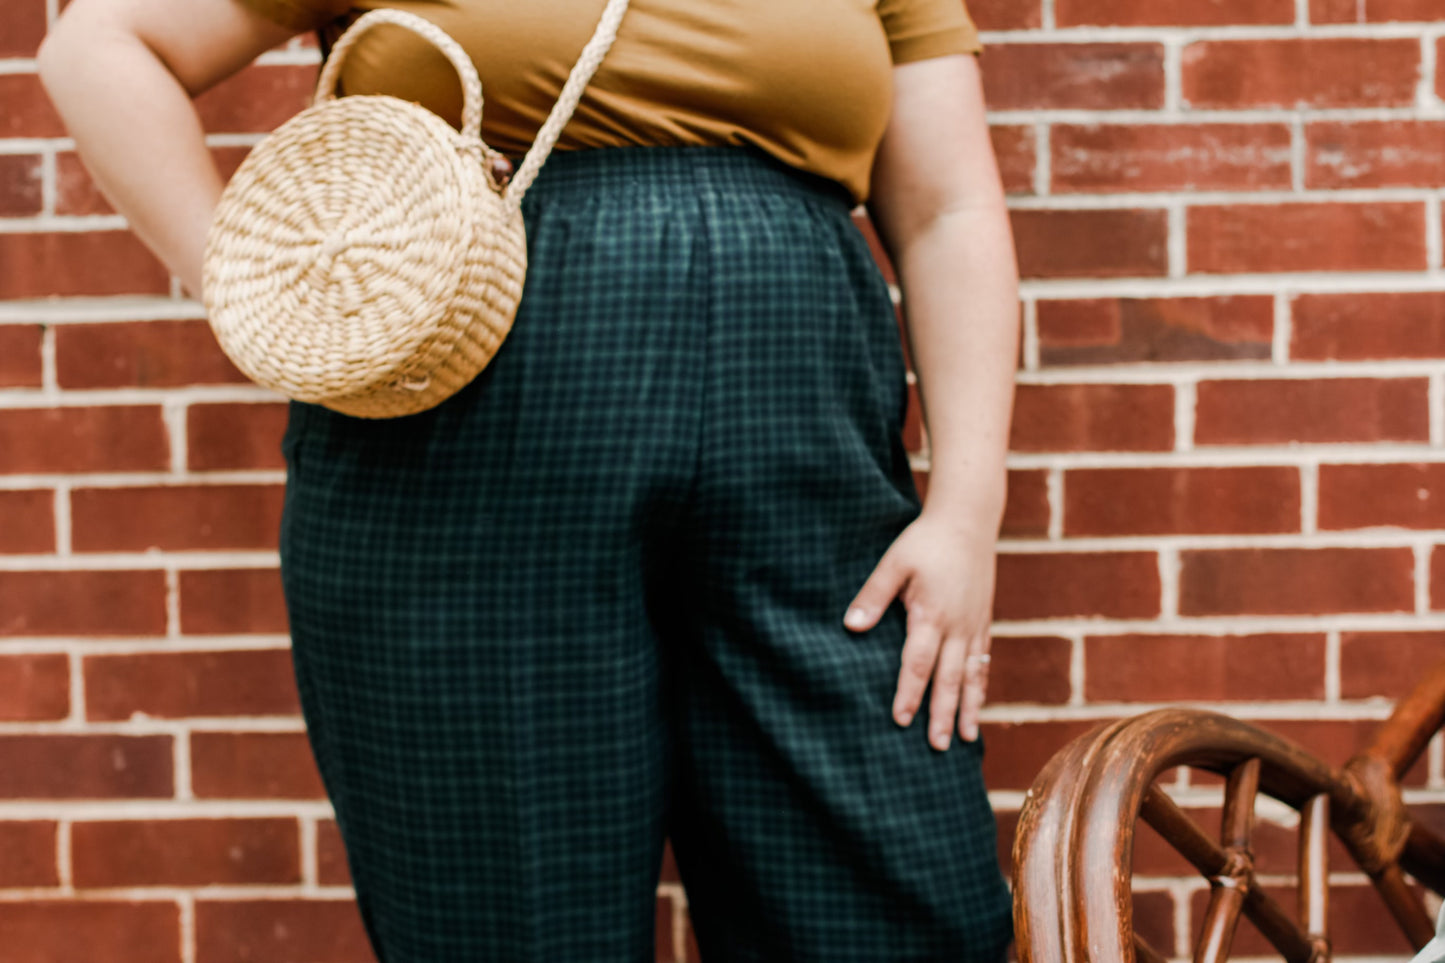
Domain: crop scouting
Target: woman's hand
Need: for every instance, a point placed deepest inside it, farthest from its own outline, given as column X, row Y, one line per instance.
column 939, row 208
column 943, row 570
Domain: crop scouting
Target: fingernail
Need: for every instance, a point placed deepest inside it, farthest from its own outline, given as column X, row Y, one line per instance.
column 856, row 618
column 940, row 738
column 970, row 733
column 902, row 715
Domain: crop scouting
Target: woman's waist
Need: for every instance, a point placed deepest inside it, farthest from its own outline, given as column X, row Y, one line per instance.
column 635, row 174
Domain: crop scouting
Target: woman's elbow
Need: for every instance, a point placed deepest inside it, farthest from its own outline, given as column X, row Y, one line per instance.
column 53, row 55
column 70, row 43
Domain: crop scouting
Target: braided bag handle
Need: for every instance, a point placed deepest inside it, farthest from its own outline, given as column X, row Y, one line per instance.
column 471, row 131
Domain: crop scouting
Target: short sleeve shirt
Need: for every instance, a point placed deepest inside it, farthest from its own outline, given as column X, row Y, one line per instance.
column 807, row 81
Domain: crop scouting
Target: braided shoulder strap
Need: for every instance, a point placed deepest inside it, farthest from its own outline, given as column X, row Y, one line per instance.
column 551, row 130
column 566, row 105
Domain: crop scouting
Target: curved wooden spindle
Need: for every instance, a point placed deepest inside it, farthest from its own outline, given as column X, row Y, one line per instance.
column 1405, row 905
column 1232, row 884
column 1314, row 875
column 1073, row 894
column 1424, row 857
column 1181, row 832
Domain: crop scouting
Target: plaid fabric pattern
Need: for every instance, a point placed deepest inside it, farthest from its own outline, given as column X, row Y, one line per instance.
column 597, row 597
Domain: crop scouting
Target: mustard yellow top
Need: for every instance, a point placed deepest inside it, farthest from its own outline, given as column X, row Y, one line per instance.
column 804, row 80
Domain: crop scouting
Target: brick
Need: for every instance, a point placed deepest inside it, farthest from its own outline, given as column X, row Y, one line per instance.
column 51, row 931
column 664, row 942
column 82, row 603
column 253, row 765
column 1104, row 158
column 1373, row 11
column 20, row 185
column 56, row 440
column 178, row 685
column 232, row 601
column 223, row 437
column 1302, row 72
column 1154, row 919
column 1030, row 670
column 258, row 99
column 20, row 356
column 1091, row 243
column 331, row 864
column 920, row 482
column 1367, row 327
column 1093, row 418
column 1296, row 581
column 1367, row 496
column 1074, row 76
column 1377, row 153
column 690, row 940
column 28, row 854
column 1194, row 668
column 34, row 688
column 176, row 518
column 880, row 254
column 1006, row 14
column 185, row 852
column 27, row 522
column 76, row 194
column 1007, row 821
column 141, row 354
column 25, row 110
column 1387, row 665
column 71, row 263
column 1181, row 501
column 1125, row 330
column 1311, row 411
column 1120, row 585
column 85, row 767
column 1016, row 149
column 913, row 431
column 280, row 931
column 22, row 27
column 1027, row 510
column 1260, row 238
column 1171, row 13
column 1437, row 578
column 1014, row 752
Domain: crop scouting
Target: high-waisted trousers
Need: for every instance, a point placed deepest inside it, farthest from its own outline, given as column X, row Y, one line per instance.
column 596, row 599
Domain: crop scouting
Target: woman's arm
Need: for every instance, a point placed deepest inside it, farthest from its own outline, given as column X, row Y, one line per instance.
column 122, row 74
column 939, row 208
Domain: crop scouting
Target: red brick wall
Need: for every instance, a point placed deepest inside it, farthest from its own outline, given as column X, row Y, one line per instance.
column 1227, row 487
column 1227, row 474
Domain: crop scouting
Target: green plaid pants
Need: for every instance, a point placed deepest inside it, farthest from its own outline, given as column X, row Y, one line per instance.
column 596, row 599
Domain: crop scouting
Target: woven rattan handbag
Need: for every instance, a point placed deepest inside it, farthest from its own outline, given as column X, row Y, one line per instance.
column 364, row 257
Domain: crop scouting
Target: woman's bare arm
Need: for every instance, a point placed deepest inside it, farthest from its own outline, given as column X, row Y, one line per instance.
column 122, row 74
column 939, row 207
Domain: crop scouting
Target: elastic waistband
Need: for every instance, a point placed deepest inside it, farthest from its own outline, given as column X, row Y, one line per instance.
column 707, row 169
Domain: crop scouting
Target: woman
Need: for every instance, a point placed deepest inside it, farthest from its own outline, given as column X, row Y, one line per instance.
column 660, row 570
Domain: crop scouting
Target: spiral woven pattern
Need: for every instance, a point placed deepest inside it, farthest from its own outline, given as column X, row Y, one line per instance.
column 361, row 259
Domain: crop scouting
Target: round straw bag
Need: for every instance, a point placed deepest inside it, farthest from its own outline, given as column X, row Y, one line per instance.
column 364, row 257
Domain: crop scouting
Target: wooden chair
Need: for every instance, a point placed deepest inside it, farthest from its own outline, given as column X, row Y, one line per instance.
column 1073, row 851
